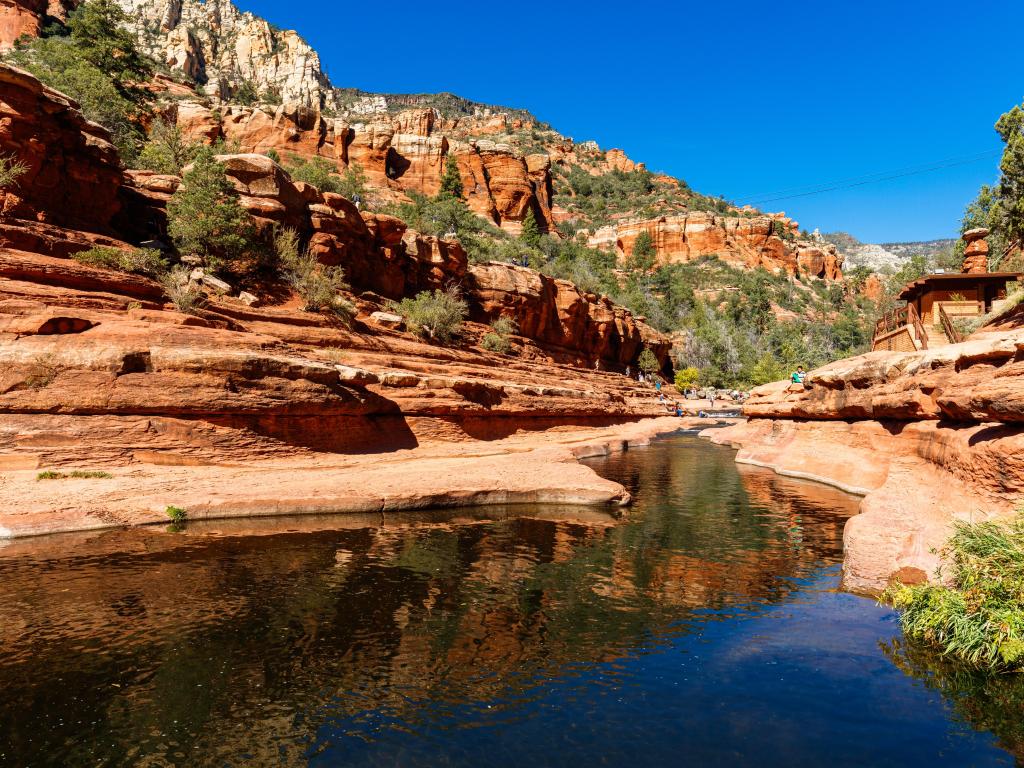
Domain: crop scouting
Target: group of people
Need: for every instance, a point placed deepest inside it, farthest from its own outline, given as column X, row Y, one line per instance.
column 711, row 394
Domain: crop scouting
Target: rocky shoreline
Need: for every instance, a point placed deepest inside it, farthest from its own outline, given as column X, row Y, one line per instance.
column 533, row 467
column 927, row 438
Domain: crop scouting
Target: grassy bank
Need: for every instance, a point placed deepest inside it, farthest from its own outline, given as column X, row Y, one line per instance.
column 977, row 615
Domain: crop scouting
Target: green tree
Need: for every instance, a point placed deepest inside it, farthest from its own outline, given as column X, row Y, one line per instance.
column 1010, row 128
column 318, row 171
column 648, row 362
column 167, row 150
column 98, row 33
column 530, row 233
column 353, row 182
column 686, row 378
column 58, row 63
column 246, row 93
column 451, row 180
column 641, row 258
column 205, row 217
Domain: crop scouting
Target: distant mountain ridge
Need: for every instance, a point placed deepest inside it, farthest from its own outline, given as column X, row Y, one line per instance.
column 885, row 257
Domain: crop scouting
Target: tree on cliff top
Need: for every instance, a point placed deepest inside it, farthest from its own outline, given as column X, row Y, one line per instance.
column 205, row 217
column 95, row 62
column 530, row 233
column 451, row 180
column 98, row 33
column 1000, row 208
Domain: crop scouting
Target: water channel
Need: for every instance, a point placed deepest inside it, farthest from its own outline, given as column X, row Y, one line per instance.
column 703, row 627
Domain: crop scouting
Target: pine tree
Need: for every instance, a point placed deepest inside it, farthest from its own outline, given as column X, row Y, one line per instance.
column 205, row 217
column 98, row 34
column 451, row 181
column 643, row 253
column 1010, row 128
column 530, row 233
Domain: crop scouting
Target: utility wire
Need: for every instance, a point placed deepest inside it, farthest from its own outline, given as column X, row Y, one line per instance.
column 859, row 181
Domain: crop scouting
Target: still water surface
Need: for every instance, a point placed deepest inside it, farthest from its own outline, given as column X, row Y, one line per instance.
column 704, row 628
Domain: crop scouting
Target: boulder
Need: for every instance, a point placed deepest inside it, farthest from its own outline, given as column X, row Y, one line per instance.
column 388, row 320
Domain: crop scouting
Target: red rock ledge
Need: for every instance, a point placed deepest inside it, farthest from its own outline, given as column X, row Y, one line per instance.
column 534, row 467
column 927, row 438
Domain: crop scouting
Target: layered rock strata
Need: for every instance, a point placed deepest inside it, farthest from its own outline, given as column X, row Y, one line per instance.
column 400, row 153
column 767, row 241
column 98, row 371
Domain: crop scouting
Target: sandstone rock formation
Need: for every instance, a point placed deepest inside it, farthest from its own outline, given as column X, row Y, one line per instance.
column 73, row 174
column 222, row 48
column 380, row 255
column 28, row 17
column 400, row 153
column 976, row 251
column 96, row 368
column 748, row 242
column 929, row 437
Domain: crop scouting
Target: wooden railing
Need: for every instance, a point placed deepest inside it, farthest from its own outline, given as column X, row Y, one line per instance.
column 902, row 317
column 915, row 320
column 947, row 325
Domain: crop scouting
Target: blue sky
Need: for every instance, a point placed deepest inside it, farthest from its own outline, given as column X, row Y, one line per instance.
column 737, row 98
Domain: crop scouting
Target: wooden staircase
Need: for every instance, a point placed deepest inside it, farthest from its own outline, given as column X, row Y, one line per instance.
column 935, row 336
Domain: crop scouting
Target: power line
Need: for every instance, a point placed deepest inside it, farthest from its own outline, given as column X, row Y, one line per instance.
column 874, row 178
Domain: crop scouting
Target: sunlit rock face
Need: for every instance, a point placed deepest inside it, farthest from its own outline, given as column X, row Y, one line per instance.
column 223, row 48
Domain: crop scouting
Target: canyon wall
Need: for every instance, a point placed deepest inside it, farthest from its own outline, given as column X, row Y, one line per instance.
column 400, row 153
column 768, row 241
column 97, row 368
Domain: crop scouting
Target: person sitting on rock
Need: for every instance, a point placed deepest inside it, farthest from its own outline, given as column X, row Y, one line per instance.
column 797, row 380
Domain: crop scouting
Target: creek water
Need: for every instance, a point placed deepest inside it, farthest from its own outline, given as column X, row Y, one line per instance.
column 704, row 627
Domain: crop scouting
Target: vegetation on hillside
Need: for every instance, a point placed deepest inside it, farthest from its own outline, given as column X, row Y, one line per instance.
column 978, row 618
column 97, row 62
column 597, row 198
column 734, row 327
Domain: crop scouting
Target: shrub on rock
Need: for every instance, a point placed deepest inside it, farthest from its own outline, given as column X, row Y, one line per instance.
column 204, row 215
column 167, row 150
column 978, row 616
column 437, row 316
column 139, row 261
column 320, row 286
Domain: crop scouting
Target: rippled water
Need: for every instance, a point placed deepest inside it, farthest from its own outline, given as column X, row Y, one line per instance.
column 704, row 628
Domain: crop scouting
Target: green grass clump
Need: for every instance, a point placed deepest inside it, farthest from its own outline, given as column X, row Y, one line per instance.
column 177, row 514
column 78, row 474
column 979, row 617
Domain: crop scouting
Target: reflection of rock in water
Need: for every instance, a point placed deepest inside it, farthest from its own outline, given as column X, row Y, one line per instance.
column 985, row 701
column 206, row 644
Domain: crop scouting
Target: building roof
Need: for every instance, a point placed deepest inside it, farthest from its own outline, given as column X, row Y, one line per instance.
column 915, row 288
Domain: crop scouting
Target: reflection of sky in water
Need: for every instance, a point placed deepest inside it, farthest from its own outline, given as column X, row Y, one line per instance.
column 702, row 628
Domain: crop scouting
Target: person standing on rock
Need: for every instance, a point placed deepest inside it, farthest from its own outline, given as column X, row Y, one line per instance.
column 627, row 371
